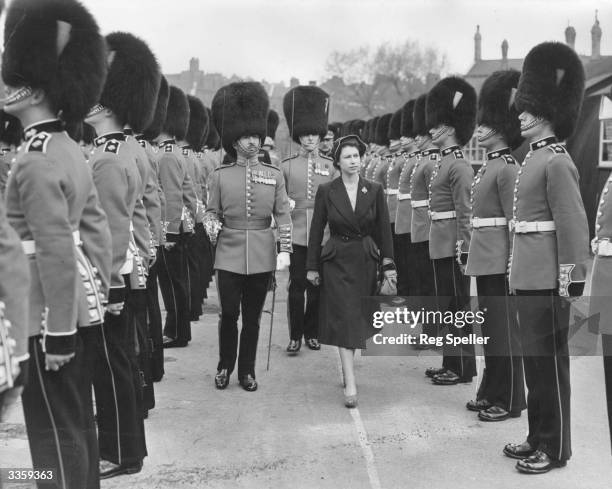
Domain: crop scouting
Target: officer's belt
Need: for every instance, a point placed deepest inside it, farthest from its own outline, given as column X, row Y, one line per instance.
column 304, row 204
column 29, row 245
column 488, row 222
column 391, row 191
column 438, row 216
column 419, row 203
column 524, row 227
column 603, row 247
column 252, row 223
column 401, row 196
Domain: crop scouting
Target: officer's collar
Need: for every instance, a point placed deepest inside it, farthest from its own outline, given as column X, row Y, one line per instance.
column 140, row 137
column 498, row 153
column 49, row 125
column 116, row 135
column 542, row 143
column 165, row 142
column 413, row 154
column 449, row 150
column 430, row 151
column 252, row 161
column 312, row 153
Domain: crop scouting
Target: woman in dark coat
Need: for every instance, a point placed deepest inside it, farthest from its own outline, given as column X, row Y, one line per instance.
column 346, row 266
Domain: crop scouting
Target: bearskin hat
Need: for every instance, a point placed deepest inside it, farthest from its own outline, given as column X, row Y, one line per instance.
column 407, row 124
column 552, row 86
column 132, row 82
column 177, row 115
column 197, row 121
column 161, row 110
column 56, row 46
column 382, row 130
column 395, row 125
column 419, row 121
column 452, row 101
column 213, row 141
column 372, row 136
column 273, row 121
column 10, row 129
column 306, row 110
column 497, row 110
column 357, row 126
column 345, row 129
column 238, row 110
column 335, row 128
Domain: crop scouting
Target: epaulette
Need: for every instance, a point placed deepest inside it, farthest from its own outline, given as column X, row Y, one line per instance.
column 290, row 157
column 112, row 146
column 225, row 165
column 39, row 143
column 557, row 148
column 458, row 154
column 168, row 148
column 270, row 165
column 509, row 159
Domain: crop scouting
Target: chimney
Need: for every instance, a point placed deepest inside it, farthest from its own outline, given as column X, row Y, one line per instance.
column 504, row 49
column 194, row 65
column 570, row 36
column 477, row 45
column 294, row 82
column 596, row 39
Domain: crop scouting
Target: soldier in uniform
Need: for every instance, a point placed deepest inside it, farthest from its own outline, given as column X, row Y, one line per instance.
column 392, row 175
column 451, row 117
column 549, row 249
column 306, row 112
column 269, row 143
column 52, row 204
column 244, row 196
column 404, row 251
column 502, row 392
column 374, row 158
column 10, row 139
column 118, row 381
column 333, row 133
column 178, row 226
column 153, row 309
column 379, row 170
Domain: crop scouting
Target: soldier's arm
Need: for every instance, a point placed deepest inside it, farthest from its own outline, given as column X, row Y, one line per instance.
column 142, row 232
column 190, row 198
column 46, row 212
column 317, row 228
column 567, row 208
column 153, row 205
column 461, row 174
column 14, row 287
column 282, row 214
column 96, row 237
column 505, row 188
column 111, row 182
column 171, row 176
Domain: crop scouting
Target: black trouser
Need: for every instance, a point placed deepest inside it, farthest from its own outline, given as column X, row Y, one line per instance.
column 406, row 260
column 236, row 292
column 425, row 285
column 302, row 322
column 175, row 291
column 194, row 273
column 141, row 354
column 453, row 291
column 119, row 415
column 155, row 322
column 544, row 324
column 205, row 261
column 59, row 419
column 606, row 343
column 502, row 383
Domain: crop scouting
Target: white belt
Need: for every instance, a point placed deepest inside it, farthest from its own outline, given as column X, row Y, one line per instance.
column 438, row 216
column 29, row 245
column 603, row 247
column 480, row 222
column 523, row 227
column 419, row 203
column 391, row 191
column 403, row 196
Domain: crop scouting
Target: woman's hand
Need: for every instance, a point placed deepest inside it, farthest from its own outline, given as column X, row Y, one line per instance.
column 313, row 277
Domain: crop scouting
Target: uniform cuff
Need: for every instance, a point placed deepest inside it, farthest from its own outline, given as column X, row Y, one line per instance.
column 117, row 295
column 64, row 344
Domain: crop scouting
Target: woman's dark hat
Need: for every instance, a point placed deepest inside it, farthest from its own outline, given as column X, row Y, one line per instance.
column 350, row 139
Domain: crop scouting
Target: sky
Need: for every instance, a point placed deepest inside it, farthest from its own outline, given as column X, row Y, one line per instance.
column 277, row 39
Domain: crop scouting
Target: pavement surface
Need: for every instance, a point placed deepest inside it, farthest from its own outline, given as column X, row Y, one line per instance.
column 295, row 432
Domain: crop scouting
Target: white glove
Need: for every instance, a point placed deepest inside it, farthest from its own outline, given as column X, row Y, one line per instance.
column 291, row 204
column 212, row 226
column 282, row 260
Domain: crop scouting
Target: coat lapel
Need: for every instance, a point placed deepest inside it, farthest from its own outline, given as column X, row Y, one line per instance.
column 340, row 200
column 365, row 195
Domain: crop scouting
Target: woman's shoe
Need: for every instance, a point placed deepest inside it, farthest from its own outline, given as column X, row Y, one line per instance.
column 350, row 401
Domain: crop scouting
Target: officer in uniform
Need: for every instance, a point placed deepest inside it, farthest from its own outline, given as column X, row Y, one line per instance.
column 374, row 157
column 118, row 179
column 379, row 171
column 212, row 147
column 10, row 139
column 327, row 143
column 404, row 252
column 269, row 143
column 52, row 204
column 244, row 196
column 153, row 310
column 178, row 225
column 392, row 175
column 502, row 391
column 306, row 112
column 451, row 117
column 550, row 249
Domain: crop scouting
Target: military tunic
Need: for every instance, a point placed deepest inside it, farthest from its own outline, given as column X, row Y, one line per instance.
column 420, row 223
column 392, row 185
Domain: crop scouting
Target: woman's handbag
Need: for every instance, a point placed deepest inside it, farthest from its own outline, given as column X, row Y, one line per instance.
column 386, row 285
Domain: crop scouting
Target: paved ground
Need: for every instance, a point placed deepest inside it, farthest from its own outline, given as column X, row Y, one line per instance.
column 294, row 432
